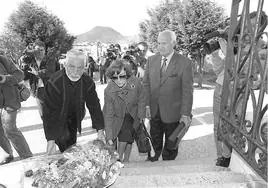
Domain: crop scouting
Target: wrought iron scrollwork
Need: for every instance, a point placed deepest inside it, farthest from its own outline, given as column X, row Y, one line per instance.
column 244, row 114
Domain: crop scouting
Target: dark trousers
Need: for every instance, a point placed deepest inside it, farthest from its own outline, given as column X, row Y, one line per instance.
column 91, row 71
column 40, row 100
column 102, row 75
column 157, row 131
column 69, row 136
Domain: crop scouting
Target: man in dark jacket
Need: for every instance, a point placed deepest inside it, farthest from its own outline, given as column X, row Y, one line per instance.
column 65, row 96
column 10, row 76
column 37, row 69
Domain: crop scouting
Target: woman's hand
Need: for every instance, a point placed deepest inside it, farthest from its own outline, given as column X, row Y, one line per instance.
column 110, row 142
column 101, row 135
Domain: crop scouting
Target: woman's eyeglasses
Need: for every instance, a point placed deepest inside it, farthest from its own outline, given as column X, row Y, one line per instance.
column 121, row 77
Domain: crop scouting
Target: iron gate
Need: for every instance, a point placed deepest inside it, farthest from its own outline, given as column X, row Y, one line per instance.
column 244, row 112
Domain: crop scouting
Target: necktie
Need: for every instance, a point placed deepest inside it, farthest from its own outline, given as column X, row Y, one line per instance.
column 163, row 67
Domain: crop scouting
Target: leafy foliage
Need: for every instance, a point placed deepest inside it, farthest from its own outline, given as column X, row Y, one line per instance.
column 190, row 20
column 161, row 17
column 197, row 18
column 12, row 45
column 31, row 22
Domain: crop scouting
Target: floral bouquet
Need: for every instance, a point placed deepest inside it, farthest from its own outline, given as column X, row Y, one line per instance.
column 91, row 165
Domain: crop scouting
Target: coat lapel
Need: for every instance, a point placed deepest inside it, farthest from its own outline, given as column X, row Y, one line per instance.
column 126, row 94
column 170, row 68
column 156, row 70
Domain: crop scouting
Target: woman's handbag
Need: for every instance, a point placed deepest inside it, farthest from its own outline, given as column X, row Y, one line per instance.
column 142, row 139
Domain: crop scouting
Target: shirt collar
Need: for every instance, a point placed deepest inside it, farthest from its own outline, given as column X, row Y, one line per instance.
column 168, row 57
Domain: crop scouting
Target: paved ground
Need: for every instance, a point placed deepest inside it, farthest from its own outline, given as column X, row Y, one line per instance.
column 29, row 122
column 193, row 145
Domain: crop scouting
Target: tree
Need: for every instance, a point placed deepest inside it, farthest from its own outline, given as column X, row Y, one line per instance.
column 190, row 20
column 161, row 17
column 12, row 44
column 197, row 18
column 31, row 22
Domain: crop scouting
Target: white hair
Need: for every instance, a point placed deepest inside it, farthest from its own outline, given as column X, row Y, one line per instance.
column 169, row 33
column 73, row 54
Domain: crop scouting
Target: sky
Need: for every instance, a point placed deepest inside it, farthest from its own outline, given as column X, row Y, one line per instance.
column 80, row 16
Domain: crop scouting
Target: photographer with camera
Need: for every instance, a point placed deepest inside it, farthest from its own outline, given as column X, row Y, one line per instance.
column 136, row 55
column 10, row 77
column 37, row 69
column 111, row 54
column 218, row 56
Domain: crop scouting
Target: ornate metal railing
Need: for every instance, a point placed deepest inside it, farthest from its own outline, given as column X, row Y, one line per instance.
column 244, row 106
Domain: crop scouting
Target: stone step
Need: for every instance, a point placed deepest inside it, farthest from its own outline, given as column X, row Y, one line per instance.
column 201, row 147
column 171, row 167
column 159, row 170
column 213, row 179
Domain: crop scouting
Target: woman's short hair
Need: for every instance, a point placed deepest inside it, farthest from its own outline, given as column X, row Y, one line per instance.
column 118, row 65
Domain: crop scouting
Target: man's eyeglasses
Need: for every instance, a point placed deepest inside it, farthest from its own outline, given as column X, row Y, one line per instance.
column 71, row 67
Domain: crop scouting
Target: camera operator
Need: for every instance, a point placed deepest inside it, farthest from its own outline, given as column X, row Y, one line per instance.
column 131, row 60
column 141, row 58
column 136, row 55
column 222, row 147
column 10, row 76
column 112, row 53
column 37, row 69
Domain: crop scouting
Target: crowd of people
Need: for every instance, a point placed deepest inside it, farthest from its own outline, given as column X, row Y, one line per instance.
column 158, row 88
column 135, row 54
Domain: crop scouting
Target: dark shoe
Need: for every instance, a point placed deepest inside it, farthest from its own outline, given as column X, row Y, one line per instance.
column 7, row 160
column 152, row 159
column 223, row 162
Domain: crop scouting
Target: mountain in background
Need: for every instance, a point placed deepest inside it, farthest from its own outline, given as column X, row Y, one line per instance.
column 105, row 35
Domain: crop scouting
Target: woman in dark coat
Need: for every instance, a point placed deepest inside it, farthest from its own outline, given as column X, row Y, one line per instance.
column 124, row 106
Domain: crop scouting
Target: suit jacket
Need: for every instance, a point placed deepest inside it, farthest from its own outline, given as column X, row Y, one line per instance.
column 173, row 92
column 118, row 102
column 9, row 96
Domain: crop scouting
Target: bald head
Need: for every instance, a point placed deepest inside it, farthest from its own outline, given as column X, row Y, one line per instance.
column 75, row 64
column 74, row 55
column 166, row 42
column 168, row 34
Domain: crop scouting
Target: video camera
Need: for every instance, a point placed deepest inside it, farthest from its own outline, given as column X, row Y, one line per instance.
column 133, row 51
column 112, row 53
column 210, row 43
column 28, row 54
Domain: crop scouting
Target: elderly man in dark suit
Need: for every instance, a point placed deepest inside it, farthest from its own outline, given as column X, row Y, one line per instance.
column 168, row 81
column 66, row 94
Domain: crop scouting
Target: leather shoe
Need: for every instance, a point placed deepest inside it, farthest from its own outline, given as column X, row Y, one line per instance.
column 152, row 159
column 7, row 160
column 223, row 162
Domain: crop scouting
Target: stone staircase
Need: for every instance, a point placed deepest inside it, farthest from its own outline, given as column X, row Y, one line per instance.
column 193, row 168
column 170, row 174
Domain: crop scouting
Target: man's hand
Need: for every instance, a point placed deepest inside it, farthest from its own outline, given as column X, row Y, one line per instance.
column 147, row 112
column 110, row 142
column 2, row 78
column 51, row 147
column 101, row 135
column 186, row 120
column 147, row 124
column 33, row 71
